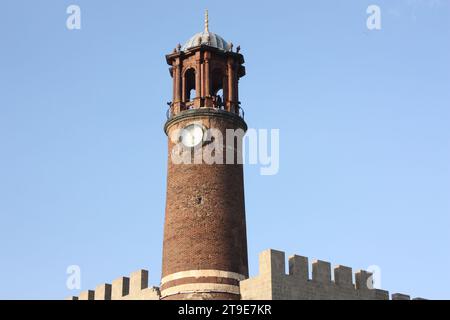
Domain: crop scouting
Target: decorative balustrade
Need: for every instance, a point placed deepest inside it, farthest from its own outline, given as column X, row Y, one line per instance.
column 190, row 106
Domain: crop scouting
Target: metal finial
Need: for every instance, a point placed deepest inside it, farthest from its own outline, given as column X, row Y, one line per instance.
column 206, row 21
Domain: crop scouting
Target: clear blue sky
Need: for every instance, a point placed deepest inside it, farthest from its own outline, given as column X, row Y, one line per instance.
column 363, row 116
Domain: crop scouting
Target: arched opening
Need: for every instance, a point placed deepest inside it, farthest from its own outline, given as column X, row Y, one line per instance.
column 190, row 89
column 218, row 80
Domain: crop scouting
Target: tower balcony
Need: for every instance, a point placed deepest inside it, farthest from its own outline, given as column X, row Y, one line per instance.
column 175, row 109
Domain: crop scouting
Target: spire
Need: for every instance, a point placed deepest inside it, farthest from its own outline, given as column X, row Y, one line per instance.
column 206, row 21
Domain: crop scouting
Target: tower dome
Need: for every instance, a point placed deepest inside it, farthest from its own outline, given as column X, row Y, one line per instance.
column 207, row 38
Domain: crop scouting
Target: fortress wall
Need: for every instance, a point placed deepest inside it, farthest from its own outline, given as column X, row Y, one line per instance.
column 134, row 287
column 273, row 283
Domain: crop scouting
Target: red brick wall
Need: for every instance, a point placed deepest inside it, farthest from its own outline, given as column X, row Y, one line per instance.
column 205, row 226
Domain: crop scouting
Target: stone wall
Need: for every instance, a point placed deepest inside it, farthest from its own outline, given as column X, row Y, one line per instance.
column 273, row 283
column 134, row 287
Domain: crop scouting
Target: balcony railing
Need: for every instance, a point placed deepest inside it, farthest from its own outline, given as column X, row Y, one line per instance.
column 190, row 106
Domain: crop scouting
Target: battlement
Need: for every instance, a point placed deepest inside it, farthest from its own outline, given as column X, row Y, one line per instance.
column 273, row 283
column 134, row 287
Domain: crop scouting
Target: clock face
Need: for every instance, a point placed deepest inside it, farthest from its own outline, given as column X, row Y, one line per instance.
column 192, row 135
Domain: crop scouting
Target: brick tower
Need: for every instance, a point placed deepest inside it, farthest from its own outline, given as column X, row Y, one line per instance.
column 205, row 241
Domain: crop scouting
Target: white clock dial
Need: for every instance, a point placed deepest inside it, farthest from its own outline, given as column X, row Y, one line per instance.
column 192, row 135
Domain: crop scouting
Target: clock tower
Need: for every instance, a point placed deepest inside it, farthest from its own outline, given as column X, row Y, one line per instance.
column 205, row 241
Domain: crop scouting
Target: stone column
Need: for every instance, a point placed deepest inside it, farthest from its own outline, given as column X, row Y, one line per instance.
column 174, row 87
column 231, row 85
column 177, row 76
column 207, row 79
column 183, row 88
column 198, row 75
column 202, row 80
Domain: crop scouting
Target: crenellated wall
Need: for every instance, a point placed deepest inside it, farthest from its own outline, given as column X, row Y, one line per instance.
column 134, row 287
column 273, row 283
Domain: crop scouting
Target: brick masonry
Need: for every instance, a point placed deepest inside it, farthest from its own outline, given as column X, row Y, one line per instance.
column 205, row 226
